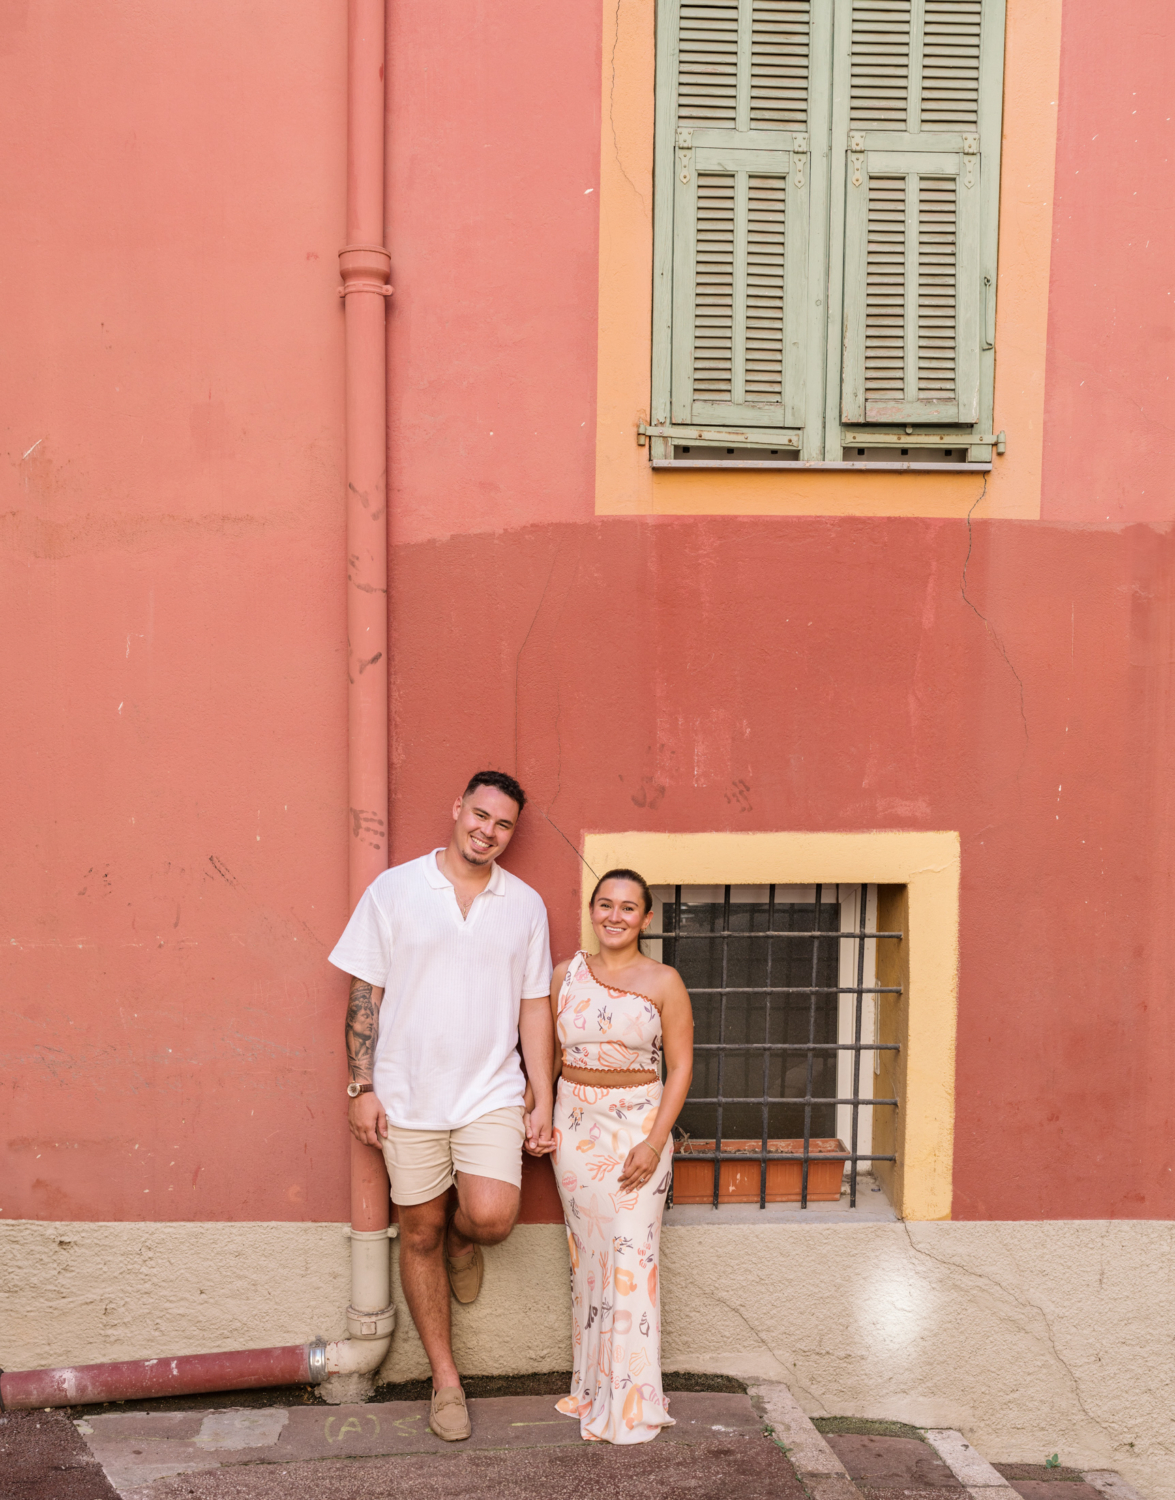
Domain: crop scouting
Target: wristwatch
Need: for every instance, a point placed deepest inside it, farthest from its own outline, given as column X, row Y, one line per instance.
column 355, row 1089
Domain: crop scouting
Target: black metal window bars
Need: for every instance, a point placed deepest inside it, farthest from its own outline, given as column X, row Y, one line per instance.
column 766, row 942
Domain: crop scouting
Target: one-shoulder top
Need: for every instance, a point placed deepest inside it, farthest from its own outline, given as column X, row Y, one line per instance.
column 604, row 1030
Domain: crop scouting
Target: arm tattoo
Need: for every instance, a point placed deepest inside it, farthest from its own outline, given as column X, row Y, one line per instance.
column 362, row 1030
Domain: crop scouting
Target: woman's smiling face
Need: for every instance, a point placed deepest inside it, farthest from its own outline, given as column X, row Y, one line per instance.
column 618, row 913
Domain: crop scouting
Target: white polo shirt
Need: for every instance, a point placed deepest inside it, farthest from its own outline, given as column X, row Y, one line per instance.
column 448, row 1025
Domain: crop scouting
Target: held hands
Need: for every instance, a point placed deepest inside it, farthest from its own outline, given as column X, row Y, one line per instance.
column 367, row 1120
column 639, row 1165
column 540, row 1139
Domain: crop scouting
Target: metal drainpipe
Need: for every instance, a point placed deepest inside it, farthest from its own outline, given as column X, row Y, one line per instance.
column 346, row 1366
column 366, row 266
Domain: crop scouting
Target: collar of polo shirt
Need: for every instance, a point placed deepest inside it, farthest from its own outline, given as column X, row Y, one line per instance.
column 439, row 881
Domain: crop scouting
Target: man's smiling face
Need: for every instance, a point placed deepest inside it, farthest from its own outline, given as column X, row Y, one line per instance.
column 485, row 822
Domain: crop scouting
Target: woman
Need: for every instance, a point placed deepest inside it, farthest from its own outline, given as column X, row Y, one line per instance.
column 615, row 1013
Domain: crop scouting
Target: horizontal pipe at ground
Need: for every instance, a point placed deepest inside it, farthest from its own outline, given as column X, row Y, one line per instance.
column 140, row 1379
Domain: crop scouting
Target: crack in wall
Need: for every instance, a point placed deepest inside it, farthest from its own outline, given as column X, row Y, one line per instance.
column 996, row 639
column 707, row 1293
column 985, row 1278
column 611, row 112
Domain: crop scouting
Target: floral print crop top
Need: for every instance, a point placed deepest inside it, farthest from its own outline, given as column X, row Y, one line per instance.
column 603, row 1030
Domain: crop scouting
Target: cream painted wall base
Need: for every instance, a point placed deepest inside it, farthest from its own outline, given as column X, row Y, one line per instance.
column 1029, row 1338
column 79, row 1293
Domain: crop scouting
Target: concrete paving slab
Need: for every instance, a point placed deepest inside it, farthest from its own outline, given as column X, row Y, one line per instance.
column 751, row 1468
column 138, row 1449
column 1110, row 1485
column 967, row 1465
column 151, row 1425
column 235, row 1430
column 893, row 1462
column 807, row 1448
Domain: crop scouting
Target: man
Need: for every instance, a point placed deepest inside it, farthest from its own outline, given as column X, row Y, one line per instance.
column 451, row 969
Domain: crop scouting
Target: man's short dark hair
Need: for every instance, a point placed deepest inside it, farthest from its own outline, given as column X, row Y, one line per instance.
column 500, row 782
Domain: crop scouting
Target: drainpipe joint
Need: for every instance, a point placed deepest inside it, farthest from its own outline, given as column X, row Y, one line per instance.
column 365, row 268
column 371, row 1325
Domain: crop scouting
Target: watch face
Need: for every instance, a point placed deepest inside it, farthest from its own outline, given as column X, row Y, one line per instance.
column 354, row 1090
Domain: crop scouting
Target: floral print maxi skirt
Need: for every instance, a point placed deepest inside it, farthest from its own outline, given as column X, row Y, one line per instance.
column 614, row 1240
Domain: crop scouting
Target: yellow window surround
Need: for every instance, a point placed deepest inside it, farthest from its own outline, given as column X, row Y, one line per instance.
column 918, row 879
column 626, row 483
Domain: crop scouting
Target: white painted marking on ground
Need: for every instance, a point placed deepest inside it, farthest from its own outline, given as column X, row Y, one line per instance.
column 242, row 1429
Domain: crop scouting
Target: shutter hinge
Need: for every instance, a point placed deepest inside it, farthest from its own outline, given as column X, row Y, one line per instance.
column 970, row 153
column 857, row 154
column 799, row 148
column 718, row 437
column 912, row 439
column 685, row 146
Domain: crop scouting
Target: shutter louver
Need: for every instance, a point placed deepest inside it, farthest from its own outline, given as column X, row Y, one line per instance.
column 707, row 78
column 913, row 286
column 950, row 64
column 714, row 288
column 937, row 291
column 766, row 280
column 740, row 213
column 880, row 64
column 779, row 64
column 885, row 294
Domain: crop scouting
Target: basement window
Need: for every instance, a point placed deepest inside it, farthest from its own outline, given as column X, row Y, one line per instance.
column 789, row 1078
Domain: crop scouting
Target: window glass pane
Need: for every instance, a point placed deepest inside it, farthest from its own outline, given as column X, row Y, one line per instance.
column 741, row 1017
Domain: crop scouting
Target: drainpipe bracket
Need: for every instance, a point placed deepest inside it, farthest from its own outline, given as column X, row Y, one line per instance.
column 371, row 1325
column 356, row 285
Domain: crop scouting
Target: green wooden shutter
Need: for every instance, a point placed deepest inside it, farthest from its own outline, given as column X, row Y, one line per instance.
column 919, row 89
column 733, row 215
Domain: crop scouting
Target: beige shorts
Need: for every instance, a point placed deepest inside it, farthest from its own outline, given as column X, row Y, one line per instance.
column 421, row 1163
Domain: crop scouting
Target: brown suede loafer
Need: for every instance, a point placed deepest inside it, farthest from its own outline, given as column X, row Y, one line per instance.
column 447, row 1416
column 465, row 1274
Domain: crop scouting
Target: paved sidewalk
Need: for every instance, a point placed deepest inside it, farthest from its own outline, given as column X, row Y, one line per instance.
column 521, row 1448
column 758, row 1446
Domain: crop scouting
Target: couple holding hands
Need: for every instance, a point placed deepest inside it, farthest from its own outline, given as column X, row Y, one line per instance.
column 451, row 977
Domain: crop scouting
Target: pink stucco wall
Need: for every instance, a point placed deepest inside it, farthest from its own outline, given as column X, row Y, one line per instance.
column 172, row 606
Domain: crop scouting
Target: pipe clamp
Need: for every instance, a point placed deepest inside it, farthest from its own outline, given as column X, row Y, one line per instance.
column 316, row 1360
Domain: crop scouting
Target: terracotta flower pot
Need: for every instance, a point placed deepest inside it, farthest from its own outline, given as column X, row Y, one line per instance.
column 738, row 1182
